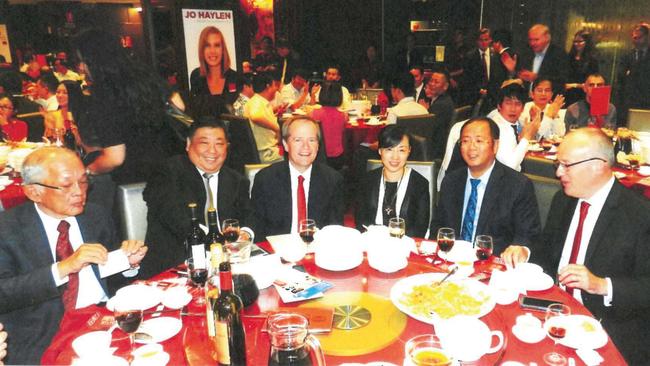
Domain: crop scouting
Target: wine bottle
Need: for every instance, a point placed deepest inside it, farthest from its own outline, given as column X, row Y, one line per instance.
column 195, row 236
column 231, row 339
column 69, row 140
column 214, row 235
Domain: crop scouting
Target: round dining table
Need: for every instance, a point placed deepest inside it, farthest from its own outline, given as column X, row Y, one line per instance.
column 381, row 337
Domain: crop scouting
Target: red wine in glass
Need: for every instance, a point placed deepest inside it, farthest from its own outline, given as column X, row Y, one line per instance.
column 445, row 244
column 556, row 332
column 129, row 321
column 307, row 235
column 231, row 235
column 199, row 276
column 483, row 253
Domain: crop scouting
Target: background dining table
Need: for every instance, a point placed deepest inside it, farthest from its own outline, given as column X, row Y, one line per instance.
column 382, row 339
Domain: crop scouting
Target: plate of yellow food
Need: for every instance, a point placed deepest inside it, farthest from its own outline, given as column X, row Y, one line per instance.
column 421, row 298
column 581, row 331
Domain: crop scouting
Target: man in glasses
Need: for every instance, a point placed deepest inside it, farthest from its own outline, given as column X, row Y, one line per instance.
column 597, row 240
column 578, row 114
column 54, row 253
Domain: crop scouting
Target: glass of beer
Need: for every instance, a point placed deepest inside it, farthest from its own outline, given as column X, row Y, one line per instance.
column 397, row 227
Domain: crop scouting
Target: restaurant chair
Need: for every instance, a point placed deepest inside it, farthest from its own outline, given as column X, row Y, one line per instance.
column 638, row 120
column 243, row 148
column 250, row 171
column 133, row 211
column 545, row 189
column 421, row 128
column 462, row 113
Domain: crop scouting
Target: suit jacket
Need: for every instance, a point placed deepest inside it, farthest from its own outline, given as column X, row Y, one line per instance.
column 30, row 302
column 415, row 207
column 634, row 83
column 473, row 76
column 508, row 212
column 555, row 64
column 271, row 198
column 168, row 219
column 618, row 249
column 443, row 109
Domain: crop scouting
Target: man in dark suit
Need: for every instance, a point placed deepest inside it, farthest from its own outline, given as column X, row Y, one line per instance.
column 480, row 72
column 442, row 106
column 634, row 75
column 419, row 83
column 596, row 238
column 51, row 250
column 542, row 59
column 183, row 179
column 488, row 198
column 288, row 191
column 506, row 68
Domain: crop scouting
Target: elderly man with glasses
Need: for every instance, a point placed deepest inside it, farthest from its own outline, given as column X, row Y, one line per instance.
column 54, row 253
column 597, row 240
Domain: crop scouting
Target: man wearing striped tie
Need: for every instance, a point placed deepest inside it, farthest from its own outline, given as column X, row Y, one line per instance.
column 487, row 197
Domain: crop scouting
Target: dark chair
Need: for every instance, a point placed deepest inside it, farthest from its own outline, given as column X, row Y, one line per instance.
column 243, row 149
column 462, row 113
column 421, row 128
column 545, row 189
column 133, row 211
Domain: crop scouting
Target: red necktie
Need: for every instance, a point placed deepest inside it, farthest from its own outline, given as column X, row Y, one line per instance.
column 584, row 208
column 63, row 251
column 302, row 203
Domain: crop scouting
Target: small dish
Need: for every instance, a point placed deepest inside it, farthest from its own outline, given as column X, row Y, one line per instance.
column 528, row 334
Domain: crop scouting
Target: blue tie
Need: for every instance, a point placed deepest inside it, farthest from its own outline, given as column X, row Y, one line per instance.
column 470, row 212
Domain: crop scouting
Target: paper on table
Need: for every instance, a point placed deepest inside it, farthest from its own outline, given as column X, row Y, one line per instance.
column 117, row 262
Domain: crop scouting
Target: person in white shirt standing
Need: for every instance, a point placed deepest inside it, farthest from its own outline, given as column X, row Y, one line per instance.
column 402, row 89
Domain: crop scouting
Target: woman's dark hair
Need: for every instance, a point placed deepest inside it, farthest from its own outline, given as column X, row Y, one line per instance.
column 331, row 94
column 261, row 81
column 75, row 96
column 391, row 136
column 589, row 50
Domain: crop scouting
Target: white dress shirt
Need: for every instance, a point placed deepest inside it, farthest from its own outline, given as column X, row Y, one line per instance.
column 537, row 61
column 596, row 203
column 401, row 192
column 294, row 173
column 480, row 192
column 290, row 95
column 407, row 106
column 549, row 126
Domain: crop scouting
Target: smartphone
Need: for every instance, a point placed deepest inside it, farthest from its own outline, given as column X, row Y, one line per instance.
column 256, row 250
column 534, row 303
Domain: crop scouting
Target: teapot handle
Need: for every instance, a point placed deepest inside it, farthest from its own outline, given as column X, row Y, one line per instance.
column 315, row 346
column 498, row 334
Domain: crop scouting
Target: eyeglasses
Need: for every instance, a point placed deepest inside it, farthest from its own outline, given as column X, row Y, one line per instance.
column 567, row 166
column 66, row 188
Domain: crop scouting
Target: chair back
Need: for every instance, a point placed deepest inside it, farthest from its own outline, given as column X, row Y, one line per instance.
column 133, row 211
column 545, row 189
column 369, row 94
column 243, row 149
column 638, row 119
column 462, row 113
column 423, row 126
column 251, row 171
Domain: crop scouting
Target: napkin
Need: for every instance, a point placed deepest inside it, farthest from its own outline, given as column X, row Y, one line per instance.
column 590, row 356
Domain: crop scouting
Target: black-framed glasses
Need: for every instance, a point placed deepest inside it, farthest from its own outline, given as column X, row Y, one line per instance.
column 66, row 188
column 567, row 166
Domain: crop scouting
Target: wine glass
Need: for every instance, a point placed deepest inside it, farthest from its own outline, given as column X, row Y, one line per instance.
column 128, row 320
column 396, row 227
column 230, row 230
column 307, row 230
column 446, row 238
column 484, row 246
column 555, row 327
column 199, row 276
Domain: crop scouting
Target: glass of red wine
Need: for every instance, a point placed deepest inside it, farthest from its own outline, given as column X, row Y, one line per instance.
column 230, row 230
column 199, row 275
column 446, row 238
column 307, row 230
column 484, row 246
column 555, row 327
column 128, row 320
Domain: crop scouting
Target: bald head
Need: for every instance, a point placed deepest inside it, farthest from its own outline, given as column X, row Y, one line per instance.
column 36, row 164
column 539, row 37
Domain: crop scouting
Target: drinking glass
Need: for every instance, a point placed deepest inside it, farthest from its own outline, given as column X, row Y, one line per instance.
column 446, row 238
column 555, row 327
column 484, row 246
column 230, row 229
column 426, row 350
column 396, row 227
column 128, row 320
column 199, row 276
column 307, row 230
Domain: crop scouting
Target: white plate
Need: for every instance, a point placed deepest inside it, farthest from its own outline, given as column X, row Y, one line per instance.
column 581, row 331
column 529, row 334
column 406, row 285
column 539, row 282
column 160, row 329
column 620, row 175
column 6, row 170
column 535, row 148
column 109, row 360
column 150, row 355
column 136, row 297
column 550, row 157
column 644, row 170
column 176, row 297
column 462, row 251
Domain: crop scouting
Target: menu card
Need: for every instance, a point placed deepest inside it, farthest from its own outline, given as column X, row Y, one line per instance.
column 295, row 285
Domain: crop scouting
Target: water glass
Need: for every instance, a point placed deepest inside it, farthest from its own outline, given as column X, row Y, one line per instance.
column 397, row 227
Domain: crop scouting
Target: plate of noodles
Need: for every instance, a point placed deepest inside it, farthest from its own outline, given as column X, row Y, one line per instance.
column 422, row 298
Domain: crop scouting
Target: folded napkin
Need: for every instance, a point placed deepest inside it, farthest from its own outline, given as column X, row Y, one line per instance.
column 590, row 357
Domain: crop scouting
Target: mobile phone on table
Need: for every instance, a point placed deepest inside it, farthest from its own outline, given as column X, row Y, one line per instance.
column 535, row 303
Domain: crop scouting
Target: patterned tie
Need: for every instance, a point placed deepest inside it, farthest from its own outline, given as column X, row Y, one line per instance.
column 470, row 212
column 577, row 239
column 302, row 203
column 209, row 199
column 63, row 251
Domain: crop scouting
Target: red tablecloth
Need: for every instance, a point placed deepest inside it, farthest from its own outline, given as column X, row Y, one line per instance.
column 13, row 194
column 192, row 345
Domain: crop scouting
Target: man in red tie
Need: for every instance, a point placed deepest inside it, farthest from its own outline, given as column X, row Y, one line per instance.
column 53, row 253
column 298, row 188
column 597, row 239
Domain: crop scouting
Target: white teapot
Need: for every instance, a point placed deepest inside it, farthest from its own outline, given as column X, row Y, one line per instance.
column 467, row 338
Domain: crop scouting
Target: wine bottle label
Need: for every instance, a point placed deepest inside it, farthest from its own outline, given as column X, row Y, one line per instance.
column 198, row 253
column 209, row 315
column 223, row 351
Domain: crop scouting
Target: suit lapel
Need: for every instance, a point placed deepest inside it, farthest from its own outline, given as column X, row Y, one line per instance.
column 490, row 196
column 374, row 197
column 284, row 195
column 457, row 205
column 602, row 224
column 42, row 255
column 196, row 182
column 315, row 187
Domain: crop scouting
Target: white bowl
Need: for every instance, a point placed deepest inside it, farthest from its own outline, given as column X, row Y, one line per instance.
column 92, row 344
column 176, row 297
column 337, row 248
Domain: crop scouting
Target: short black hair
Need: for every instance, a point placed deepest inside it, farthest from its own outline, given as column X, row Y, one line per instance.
column 12, row 82
column 483, row 31
column 494, row 128
column 207, row 122
column 302, row 73
column 392, row 135
column 331, row 94
column 542, row 79
column 419, row 68
column 512, row 91
column 261, row 81
column 405, row 83
column 49, row 81
column 441, row 70
column 502, row 36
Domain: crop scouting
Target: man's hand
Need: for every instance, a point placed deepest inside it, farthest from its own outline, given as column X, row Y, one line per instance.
column 86, row 254
column 509, row 62
column 424, row 102
column 578, row 276
column 3, row 344
column 529, row 129
column 515, row 254
column 555, row 106
column 135, row 250
column 527, row 75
